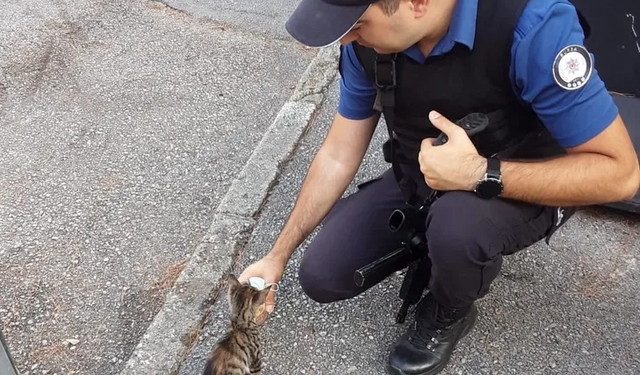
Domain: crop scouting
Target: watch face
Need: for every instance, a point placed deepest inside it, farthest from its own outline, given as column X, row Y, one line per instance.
column 489, row 188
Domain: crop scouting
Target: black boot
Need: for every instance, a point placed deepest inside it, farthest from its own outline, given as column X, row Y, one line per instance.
column 426, row 347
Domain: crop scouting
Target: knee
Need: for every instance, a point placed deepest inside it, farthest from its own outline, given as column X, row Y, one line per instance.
column 455, row 235
column 311, row 287
column 315, row 281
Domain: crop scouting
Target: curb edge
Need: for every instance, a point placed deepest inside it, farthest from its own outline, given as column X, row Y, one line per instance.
column 170, row 335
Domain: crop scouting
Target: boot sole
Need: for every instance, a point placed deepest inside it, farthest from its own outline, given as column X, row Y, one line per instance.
column 445, row 362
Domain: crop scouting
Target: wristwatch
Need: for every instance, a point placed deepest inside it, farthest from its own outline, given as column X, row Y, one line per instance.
column 490, row 186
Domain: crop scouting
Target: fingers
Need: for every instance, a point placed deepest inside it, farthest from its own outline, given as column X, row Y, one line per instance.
column 244, row 276
column 271, row 302
column 262, row 318
column 426, row 143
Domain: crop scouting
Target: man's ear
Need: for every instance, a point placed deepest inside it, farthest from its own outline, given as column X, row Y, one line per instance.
column 420, row 7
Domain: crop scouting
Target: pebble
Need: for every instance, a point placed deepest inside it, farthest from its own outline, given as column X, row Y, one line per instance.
column 71, row 342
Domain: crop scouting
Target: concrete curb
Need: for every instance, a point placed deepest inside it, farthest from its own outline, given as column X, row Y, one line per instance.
column 175, row 328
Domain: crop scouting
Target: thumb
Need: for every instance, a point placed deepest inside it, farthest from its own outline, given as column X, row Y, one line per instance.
column 442, row 123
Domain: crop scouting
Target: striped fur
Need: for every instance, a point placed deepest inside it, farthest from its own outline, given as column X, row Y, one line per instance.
column 238, row 350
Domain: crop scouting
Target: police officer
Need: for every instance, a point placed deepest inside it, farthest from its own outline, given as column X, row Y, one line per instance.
column 521, row 62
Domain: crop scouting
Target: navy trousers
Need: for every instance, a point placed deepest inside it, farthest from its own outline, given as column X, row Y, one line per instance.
column 467, row 238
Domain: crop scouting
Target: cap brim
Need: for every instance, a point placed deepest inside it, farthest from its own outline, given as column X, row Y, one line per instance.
column 316, row 23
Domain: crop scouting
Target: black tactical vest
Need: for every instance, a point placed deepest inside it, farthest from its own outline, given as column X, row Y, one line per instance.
column 463, row 81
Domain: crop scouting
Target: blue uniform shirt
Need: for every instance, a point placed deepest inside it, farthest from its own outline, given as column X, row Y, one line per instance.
column 544, row 29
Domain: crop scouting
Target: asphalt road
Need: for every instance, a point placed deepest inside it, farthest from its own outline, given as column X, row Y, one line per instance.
column 265, row 17
column 568, row 308
column 123, row 123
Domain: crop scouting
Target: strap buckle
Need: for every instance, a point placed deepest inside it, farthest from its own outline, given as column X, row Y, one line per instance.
column 385, row 72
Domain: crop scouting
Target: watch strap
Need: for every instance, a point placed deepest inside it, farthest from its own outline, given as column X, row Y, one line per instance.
column 493, row 167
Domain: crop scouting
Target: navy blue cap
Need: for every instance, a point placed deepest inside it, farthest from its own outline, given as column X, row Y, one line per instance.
column 319, row 23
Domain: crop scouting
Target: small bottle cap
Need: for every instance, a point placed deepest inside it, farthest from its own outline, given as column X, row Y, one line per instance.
column 257, row 282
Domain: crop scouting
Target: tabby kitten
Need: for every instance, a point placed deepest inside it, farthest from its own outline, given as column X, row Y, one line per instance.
column 238, row 350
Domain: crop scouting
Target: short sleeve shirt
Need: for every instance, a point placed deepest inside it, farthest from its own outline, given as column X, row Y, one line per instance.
column 545, row 29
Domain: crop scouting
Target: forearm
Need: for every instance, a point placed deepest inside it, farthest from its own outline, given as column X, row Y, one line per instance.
column 324, row 184
column 570, row 180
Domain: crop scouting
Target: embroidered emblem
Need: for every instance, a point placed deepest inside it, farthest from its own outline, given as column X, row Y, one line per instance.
column 572, row 67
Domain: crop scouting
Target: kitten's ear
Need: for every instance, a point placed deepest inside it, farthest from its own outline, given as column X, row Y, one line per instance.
column 233, row 281
column 260, row 297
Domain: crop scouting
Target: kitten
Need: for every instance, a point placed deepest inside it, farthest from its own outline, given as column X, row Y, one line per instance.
column 238, row 351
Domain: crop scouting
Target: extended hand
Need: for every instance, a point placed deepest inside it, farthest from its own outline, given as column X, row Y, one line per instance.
column 456, row 165
column 271, row 270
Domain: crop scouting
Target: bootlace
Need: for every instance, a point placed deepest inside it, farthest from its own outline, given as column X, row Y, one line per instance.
column 431, row 319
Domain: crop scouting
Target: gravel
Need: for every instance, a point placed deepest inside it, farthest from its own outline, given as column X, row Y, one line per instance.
column 124, row 123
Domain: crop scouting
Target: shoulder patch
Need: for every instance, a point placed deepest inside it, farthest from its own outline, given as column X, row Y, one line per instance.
column 572, row 67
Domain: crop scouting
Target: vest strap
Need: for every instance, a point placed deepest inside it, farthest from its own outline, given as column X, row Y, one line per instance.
column 385, row 80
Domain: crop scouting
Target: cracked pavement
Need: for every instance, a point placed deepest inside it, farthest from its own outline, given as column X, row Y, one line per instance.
column 124, row 123
column 120, row 137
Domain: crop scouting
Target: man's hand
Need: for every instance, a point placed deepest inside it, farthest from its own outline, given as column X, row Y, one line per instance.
column 271, row 270
column 601, row 170
column 456, row 165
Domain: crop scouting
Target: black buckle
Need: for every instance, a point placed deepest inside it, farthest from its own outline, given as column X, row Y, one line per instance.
column 386, row 150
column 388, row 80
